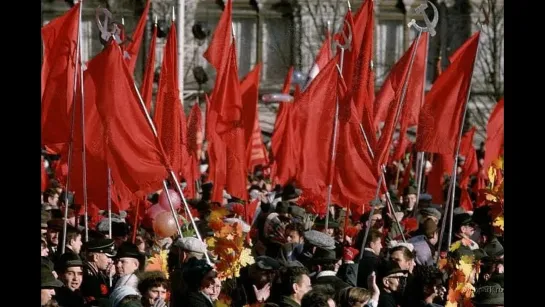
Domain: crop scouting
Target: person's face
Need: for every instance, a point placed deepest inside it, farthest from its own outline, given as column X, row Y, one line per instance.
column 301, row 288
column 45, row 250
column 76, row 244
column 376, row 246
column 156, row 293
column 53, row 200
column 468, row 230
column 374, row 218
column 434, row 239
column 102, row 261
column 72, row 277
column 410, row 200
column 331, row 303
column 404, row 264
column 52, row 237
column 126, row 266
column 71, row 221
column 293, row 236
column 140, row 243
column 395, row 282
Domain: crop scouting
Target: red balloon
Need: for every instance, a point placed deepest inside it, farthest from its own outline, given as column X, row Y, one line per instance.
column 164, row 225
column 174, row 197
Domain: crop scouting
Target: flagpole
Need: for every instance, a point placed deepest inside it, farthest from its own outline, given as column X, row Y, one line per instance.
column 169, row 199
column 452, row 191
column 369, row 220
column 83, row 153
column 171, row 173
column 331, row 166
column 422, row 174
column 109, row 202
column 180, row 21
column 71, row 142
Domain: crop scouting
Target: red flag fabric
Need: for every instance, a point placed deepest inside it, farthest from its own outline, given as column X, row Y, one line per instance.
column 494, row 136
column 146, row 89
column 60, row 38
column 396, row 85
column 136, row 40
column 315, row 112
column 226, row 94
column 250, row 211
column 45, row 178
column 322, row 58
column 218, row 50
column 436, row 179
column 359, row 184
column 133, row 153
column 363, row 79
column 282, row 141
column 255, row 149
column 195, row 139
column 469, row 167
column 441, row 117
column 168, row 106
column 401, row 148
column 414, row 97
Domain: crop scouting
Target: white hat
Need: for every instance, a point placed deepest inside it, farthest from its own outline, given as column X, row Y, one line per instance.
column 191, row 244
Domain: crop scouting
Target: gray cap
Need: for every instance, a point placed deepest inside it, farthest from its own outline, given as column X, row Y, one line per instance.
column 319, row 239
column 431, row 212
column 191, row 244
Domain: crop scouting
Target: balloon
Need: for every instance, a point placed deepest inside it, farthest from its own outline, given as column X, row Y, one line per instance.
column 174, row 197
column 277, row 97
column 298, row 78
column 153, row 211
column 164, row 225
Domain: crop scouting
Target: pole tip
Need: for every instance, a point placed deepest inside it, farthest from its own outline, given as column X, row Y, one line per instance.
column 349, row 5
column 155, row 19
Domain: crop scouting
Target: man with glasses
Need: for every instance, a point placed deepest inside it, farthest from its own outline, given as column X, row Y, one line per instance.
column 392, row 280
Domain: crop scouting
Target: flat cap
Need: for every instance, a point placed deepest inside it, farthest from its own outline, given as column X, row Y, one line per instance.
column 319, row 239
column 267, row 263
column 191, row 244
column 430, row 212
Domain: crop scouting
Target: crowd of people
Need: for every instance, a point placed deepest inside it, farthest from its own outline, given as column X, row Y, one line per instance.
column 297, row 261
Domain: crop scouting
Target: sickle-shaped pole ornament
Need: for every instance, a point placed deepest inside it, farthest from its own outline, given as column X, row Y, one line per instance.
column 430, row 25
column 347, row 39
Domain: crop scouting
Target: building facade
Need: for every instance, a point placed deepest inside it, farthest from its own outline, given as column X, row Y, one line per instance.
column 284, row 33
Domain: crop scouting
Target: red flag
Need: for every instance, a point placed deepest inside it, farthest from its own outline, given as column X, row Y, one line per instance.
column 322, row 58
column 494, row 135
column 255, row 149
column 168, row 105
column 146, row 89
column 436, row 179
column 401, row 148
column 414, row 97
column 250, row 211
column 363, row 79
column 315, row 111
column 136, row 40
column 398, row 83
column 441, row 116
column 283, row 138
column 469, row 167
column 226, row 95
column 45, row 178
column 218, row 49
column 194, row 139
column 133, row 153
column 60, row 38
column 359, row 184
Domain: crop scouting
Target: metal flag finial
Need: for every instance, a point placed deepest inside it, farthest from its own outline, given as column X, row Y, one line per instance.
column 155, row 21
column 349, row 6
column 430, row 25
column 173, row 14
column 347, row 38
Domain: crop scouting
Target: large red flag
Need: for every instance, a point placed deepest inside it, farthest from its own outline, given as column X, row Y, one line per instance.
column 218, row 50
column 60, row 38
column 402, row 83
column 414, row 97
column 441, row 116
column 136, row 40
column 282, row 141
column 194, row 140
column 315, row 112
column 469, row 167
column 256, row 153
column 358, row 185
column 494, row 135
column 133, row 153
column 146, row 89
column 168, row 105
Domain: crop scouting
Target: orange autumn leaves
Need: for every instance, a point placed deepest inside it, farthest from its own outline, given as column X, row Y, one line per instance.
column 228, row 245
